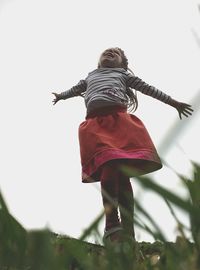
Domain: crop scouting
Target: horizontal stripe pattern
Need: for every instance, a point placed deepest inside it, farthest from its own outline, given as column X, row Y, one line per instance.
column 104, row 86
column 76, row 90
column 139, row 85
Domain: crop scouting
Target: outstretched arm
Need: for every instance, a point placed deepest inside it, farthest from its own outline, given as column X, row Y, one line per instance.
column 182, row 108
column 76, row 90
column 138, row 84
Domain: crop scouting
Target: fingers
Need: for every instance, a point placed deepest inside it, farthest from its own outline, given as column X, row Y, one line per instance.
column 185, row 109
column 185, row 112
column 188, row 108
column 186, row 105
column 56, row 99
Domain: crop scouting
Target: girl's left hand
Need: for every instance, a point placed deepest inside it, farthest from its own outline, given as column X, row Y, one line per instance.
column 184, row 108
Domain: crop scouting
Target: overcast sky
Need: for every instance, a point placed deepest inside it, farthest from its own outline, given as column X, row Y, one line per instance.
column 49, row 45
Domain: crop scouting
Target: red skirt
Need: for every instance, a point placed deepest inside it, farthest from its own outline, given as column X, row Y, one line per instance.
column 112, row 134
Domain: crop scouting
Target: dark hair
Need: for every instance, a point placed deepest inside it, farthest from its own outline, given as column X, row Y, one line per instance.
column 132, row 97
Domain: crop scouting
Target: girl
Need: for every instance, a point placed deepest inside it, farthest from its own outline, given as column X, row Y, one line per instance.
column 110, row 137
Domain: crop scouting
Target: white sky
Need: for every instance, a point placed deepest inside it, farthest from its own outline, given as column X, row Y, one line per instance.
column 49, row 45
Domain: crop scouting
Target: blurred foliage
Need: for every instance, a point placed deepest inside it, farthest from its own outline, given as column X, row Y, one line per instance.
column 43, row 249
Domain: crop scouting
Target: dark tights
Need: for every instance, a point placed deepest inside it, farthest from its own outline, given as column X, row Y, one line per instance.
column 117, row 194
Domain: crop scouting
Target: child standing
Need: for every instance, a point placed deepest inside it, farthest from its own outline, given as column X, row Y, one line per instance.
column 110, row 137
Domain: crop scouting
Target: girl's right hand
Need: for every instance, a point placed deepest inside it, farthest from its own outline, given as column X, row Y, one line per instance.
column 57, row 98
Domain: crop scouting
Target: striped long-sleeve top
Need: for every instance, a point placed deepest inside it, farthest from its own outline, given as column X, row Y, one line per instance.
column 108, row 86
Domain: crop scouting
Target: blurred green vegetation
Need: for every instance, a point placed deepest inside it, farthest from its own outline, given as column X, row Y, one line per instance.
column 43, row 249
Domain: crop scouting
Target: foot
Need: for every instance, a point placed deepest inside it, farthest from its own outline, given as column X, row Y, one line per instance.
column 113, row 235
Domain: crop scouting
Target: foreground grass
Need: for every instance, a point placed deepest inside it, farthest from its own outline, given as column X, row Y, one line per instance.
column 44, row 250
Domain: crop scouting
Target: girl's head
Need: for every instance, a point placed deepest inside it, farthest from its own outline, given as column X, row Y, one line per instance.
column 113, row 58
